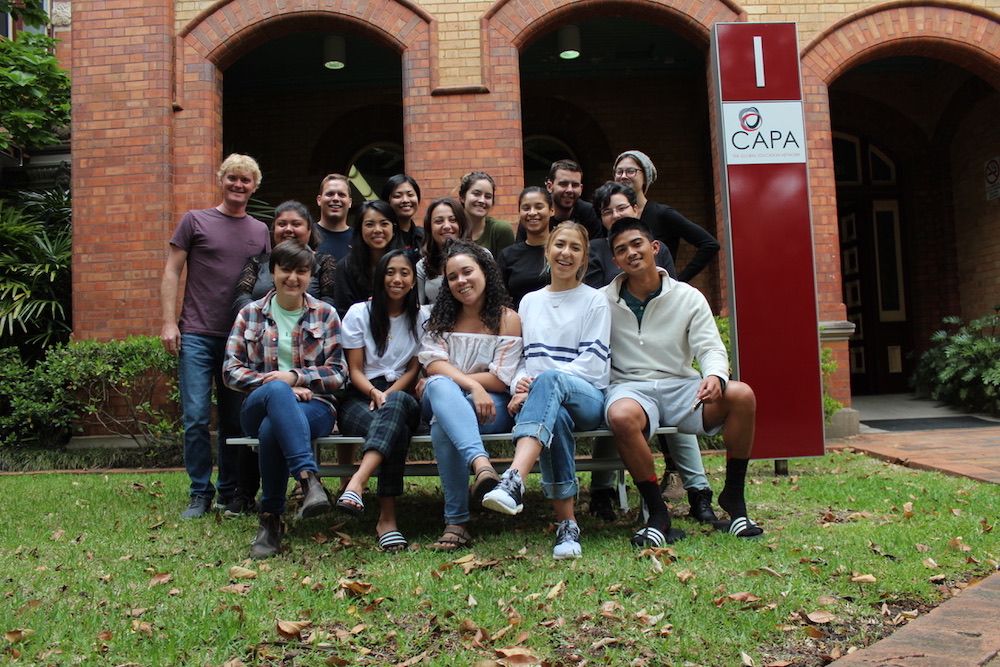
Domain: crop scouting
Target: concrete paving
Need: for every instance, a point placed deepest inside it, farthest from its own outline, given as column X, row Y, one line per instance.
column 964, row 631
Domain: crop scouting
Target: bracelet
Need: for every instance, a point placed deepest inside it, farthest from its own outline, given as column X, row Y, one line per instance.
column 370, row 393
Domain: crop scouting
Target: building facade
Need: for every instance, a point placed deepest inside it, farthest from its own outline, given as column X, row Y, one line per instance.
column 901, row 104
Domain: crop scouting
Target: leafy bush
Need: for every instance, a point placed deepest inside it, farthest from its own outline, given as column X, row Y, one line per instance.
column 36, row 249
column 35, row 91
column 962, row 367
column 117, row 384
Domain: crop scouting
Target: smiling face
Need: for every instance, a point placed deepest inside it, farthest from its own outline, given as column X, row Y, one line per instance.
column 237, row 189
column 618, row 207
column 566, row 188
column 478, row 200
column 399, row 279
column 629, row 172
column 566, row 253
column 291, row 226
column 335, row 200
column 376, row 229
column 404, row 201
column 634, row 253
column 444, row 224
column 290, row 284
column 535, row 213
column 466, row 279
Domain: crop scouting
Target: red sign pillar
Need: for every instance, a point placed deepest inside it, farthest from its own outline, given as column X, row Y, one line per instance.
column 769, row 249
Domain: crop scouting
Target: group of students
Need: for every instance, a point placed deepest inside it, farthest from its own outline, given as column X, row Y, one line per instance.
column 358, row 348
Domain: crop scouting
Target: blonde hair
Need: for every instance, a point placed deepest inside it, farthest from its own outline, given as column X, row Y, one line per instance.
column 584, row 234
column 240, row 165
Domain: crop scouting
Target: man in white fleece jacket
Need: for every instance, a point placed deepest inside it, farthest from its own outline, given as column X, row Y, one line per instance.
column 658, row 327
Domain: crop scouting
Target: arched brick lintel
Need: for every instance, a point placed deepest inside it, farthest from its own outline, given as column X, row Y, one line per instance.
column 966, row 36
column 226, row 30
column 524, row 21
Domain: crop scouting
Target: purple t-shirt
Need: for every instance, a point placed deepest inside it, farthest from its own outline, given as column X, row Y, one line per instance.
column 217, row 248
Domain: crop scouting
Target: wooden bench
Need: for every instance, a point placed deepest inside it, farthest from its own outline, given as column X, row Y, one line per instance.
column 430, row 469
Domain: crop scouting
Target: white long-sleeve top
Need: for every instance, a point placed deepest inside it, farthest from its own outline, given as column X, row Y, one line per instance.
column 568, row 331
column 677, row 327
column 474, row 353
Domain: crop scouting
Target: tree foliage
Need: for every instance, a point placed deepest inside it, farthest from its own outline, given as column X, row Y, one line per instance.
column 34, row 89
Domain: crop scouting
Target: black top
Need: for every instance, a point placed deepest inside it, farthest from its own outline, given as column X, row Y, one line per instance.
column 522, row 267
column 412, row 240
column 334, row 243
column 583, row 212
column 669, row 227
column 256, row 280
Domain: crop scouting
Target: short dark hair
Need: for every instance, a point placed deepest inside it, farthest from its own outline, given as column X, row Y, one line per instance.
column 565, row 165
column 622, row 225
column 602, row 195
column 291, row 255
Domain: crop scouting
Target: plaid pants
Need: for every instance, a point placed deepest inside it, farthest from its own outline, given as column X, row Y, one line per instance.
column 387, row 431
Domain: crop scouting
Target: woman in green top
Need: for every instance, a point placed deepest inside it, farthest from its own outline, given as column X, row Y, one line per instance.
column 476, row 192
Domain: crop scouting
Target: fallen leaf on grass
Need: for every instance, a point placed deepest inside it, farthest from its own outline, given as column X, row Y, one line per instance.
column 744, row 596
column 292, row 629
column 930, row 564
column 780, row 663
column 814, row 632
column 335, row 661
column 29, row 606
column 142, row 628
column 472, row 601
column 922, row 548
column 957, row 544
column 863, row 579
column 354, row 588
column 237, row 572
column 412, row 661
column 105, row 635
column 517, row 655
column 986, row 527
column 820, row 617
column 604, row 641
column 239, row 589
column 556, row 590
column 58, row 535
column 685, row 575
column 19, row 635
column 908, row 510
column 159, row 578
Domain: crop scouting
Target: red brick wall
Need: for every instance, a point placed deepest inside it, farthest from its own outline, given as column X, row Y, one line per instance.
column 123, row 165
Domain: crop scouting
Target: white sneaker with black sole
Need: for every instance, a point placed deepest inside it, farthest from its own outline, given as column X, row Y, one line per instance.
column 567, row 540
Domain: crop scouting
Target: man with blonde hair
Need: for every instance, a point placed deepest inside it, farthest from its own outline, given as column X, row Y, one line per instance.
column 214, row 245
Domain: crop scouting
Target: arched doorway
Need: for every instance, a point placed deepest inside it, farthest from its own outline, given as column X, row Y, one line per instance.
column 635, row 85
column 915, row 225
column 303, row 120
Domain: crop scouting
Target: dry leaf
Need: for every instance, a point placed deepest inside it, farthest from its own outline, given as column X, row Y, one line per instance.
column 237, row 572
column 16, row 636
column 472, row 601
column 239, row 589
column 58, row 535
column 814, row 632
column 335, row 661
column 908, row 510
column 957, row 544
column 930, row 564
column 412, row 661
column 159, row 578
column 747, row 660
column 292, row 629
column 29, row 605
column 863, row 579
column 826, row 600
column 603, row 642
column 685, row 575
column 986, row 527
column 105, row 636
column 821, row 617
column 922, row 548
column 957, row 511
column 556, row 590
column 142, row 628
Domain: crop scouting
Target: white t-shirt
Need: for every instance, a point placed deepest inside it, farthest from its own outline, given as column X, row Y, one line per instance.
column 402, row 345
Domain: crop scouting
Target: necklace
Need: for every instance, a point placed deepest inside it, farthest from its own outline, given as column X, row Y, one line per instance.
column 565, row 294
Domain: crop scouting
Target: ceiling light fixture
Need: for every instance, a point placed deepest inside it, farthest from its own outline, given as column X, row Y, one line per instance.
column 334, row 52
column 569, row 42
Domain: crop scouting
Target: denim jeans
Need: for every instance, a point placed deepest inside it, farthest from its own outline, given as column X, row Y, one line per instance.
column 683, row 449
column 455, row 432
column 285, row 427
column 199, row 363
column 557, row 404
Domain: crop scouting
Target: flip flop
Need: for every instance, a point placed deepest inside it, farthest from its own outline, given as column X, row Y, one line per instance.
column 651, row 536
column 745, row 528
column 393, row 541
column 351, row 503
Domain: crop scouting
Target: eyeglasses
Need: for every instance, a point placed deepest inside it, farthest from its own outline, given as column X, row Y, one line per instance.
column 621, row 209
column 627, row 171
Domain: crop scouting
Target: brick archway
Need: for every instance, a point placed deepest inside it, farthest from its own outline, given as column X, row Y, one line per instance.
column 226, row 30
column 963, row 35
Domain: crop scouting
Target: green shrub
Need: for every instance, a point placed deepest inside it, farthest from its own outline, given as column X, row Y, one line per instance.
column 962, row 367
column 112, row 383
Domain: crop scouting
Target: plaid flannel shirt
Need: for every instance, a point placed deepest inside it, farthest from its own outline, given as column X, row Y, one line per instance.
column 252, row 349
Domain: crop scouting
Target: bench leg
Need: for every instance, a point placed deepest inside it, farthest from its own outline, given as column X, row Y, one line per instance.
column 622, row 491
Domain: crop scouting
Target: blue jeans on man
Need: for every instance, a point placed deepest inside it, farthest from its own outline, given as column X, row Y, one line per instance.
column 199, row 364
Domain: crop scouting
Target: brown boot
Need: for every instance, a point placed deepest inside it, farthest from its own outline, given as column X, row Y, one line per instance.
column 316, row 500
column 268, row 540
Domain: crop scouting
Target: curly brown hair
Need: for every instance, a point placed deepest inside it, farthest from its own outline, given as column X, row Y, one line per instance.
column 447, row 307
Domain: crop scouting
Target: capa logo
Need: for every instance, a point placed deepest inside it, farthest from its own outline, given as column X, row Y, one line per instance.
column 750, row 119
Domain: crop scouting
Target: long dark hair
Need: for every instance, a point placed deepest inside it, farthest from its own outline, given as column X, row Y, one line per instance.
column 432, row 254
column 394, row 182
column 446, row 308
column 378, row 312
column 303, row 211
column 358, row 261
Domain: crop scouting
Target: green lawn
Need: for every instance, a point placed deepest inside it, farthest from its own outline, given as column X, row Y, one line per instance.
column 98, row 569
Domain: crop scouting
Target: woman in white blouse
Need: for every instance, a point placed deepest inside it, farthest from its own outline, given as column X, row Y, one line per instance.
column 471, row 352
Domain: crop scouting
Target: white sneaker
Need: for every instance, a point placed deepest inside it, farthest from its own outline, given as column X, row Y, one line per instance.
column 567, row 540
column 506, row 497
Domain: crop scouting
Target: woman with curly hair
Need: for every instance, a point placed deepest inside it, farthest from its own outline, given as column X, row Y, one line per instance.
column 374, row 234
column 381, row 338
column 471, row 353
column 445, row 219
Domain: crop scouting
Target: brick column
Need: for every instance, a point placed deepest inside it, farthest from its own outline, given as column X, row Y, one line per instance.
column 122, row 56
